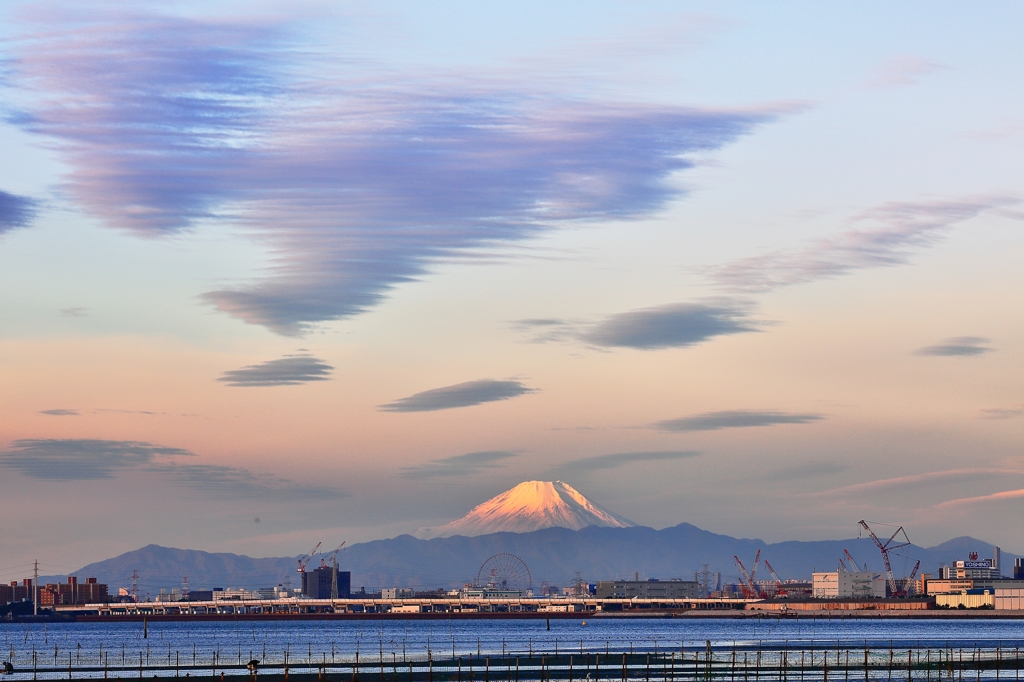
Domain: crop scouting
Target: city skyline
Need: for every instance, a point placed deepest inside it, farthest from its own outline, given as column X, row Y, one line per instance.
column 280, row 274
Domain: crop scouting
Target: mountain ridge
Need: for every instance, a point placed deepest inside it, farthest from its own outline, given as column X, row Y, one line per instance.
column 553, row 555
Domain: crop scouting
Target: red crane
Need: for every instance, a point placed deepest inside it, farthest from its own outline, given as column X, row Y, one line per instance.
column 853, row 562
column 747, row 581
column 886, row 547
column 778, row 581
column 332, row 558
column 910, row 580
column 305, row 559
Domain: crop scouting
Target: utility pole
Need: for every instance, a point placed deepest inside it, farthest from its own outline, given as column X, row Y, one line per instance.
column 35, row 589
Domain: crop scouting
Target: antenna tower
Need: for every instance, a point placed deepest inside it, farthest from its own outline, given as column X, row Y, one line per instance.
column 184, row 588
column 135, row 586
column 577, row 585
column 703, row 578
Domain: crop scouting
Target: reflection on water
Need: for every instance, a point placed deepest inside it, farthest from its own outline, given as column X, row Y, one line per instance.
column 310, row 642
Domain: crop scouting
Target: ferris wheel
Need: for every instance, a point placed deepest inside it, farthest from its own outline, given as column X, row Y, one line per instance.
column 504, row 571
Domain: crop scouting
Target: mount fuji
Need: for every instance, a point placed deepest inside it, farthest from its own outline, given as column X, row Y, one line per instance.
column 530, row 506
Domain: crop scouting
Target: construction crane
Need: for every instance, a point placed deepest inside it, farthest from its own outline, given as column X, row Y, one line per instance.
column 910, row 580
column 331, row 557
column 334, row 572
column 747, row 581
column 886, row 547
column 853, row 562
column 778, row 581
column 305, row 559
column 842, row 567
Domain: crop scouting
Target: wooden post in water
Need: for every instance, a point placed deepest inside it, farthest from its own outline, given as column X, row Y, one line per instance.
column 647, row 670
column 624, row 666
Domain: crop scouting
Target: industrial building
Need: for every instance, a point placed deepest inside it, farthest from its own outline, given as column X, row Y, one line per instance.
column 397, row 593
column 16, row 592
column 848, row 585
column 647, row 589
column 320, row 583
column 974, row 568
column 53, row 594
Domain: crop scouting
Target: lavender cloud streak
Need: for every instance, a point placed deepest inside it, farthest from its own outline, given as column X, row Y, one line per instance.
column 897, row 231
column 355, row 187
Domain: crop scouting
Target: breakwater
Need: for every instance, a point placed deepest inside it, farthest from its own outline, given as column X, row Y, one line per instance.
column 747, row 663
column 666, row 649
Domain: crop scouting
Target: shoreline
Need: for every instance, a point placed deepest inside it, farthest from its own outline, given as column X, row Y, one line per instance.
column 699, row 614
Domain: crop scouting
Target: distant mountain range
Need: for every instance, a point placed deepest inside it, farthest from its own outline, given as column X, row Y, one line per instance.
column 552, row 554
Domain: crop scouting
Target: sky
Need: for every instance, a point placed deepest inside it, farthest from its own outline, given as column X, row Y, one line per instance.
column 282, row 273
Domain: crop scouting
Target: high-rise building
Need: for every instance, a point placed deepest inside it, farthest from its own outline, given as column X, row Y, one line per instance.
column 317, row 584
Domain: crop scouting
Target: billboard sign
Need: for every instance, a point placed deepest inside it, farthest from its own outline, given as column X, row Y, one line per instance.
column 984, row 563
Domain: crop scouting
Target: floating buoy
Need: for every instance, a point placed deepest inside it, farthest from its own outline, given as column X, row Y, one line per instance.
column 584, row 622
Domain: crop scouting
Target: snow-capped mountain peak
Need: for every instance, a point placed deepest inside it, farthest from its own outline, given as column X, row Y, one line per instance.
column 530, row 506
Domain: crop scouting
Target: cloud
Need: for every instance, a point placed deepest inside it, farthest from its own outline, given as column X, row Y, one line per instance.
column 290, row 370
column 15, row 211
column 958, row 346
column 1000, row 412
column 458, row 465
column 80, row 459
column 930, row 477
column 84, row 460
column 355, row 183
column 620, row 459
column 994, row 497
column 459, row 395
column 60, row 413
column 901, row 70
column 74, row 312
column 670, row 326
column 732, row 419
column 675, row 325
column 895, row 232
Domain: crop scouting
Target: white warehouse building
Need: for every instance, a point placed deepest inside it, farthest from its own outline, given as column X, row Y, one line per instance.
column 847, row 584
